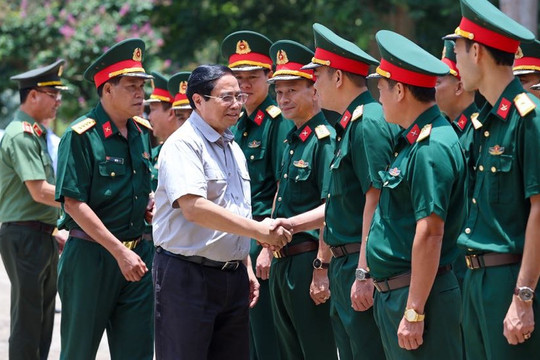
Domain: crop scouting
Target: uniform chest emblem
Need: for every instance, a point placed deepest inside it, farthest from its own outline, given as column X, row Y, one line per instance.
column 394, row 171
column 146, row 155
column 254, row 144
column 496, row 150
column 301, row 164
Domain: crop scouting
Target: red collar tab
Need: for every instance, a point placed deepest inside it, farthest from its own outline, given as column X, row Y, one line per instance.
column 107, row 129
column 394, row 72
column 37, row 129
column 119, row 68
column 162, row 95
column 473, row 31
column 325, row 57
column 412, row 135
column 252, row 59
column 527, row 63
column 259, row 117
column 462, row 122
column 345, row 119
column 305, row 133
column 504, row 108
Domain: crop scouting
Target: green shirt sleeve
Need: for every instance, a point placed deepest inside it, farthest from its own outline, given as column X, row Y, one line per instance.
column 530, row 150
column 28, row 159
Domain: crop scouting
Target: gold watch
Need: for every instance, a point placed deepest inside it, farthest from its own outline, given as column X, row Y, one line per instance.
column 412, row 316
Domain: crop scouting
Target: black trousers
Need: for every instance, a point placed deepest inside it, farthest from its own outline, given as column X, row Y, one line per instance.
column 201, row 313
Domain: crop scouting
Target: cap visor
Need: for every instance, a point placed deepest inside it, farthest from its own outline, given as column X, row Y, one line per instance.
column 139, row 75
column 247, row 68
column 285, row 77
column 536, row 87
column 451, row 37
column 181, row 107
column 60, row 87
column 309, row 66
column 374, row 76
column 525, row 72
column 148, row 101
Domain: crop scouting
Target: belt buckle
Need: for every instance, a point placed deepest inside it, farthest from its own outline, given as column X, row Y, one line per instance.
column 472, row 264
column 277, row 254
column 332, row 248
column 131, row 244
column 230, row 266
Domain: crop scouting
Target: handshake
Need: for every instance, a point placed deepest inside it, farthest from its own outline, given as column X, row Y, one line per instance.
column 275, row 233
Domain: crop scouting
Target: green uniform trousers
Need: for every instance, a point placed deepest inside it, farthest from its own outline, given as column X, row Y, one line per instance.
column 303, row 328
column 357, row 336
column 96, row 296
column 487, row 294
column 442, row 333
column 31, row 260
column 262, row 332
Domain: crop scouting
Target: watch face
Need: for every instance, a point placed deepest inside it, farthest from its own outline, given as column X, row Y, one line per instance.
column 317, row 263
column 360, row 274
column 526, row 294
column 410, row 315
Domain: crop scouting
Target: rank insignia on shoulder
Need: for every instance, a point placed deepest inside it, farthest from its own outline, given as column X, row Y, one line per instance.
column 424, row 133
column 83, row 125
column 143, row 122
column 358, row 112
column 524, row 104
column 322, row 131
column 254, row 144
column 273, row 111
column 37, row 129
column 496, row 150
column 27, row 128
column 394, row 171
column 301, row 164
column 475, row 122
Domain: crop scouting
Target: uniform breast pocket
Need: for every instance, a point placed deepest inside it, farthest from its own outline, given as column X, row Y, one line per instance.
column 392, row 186
column 500, row 177
column 216, row 183
column 336, row 175
column 111, row 170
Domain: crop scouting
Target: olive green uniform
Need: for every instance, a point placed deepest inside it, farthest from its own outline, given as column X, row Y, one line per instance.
column 364, row 144
column 426, row 177
column 303, row 328
column 260, row 136
column 111, row 173
column 30, row 256
column 507, row 175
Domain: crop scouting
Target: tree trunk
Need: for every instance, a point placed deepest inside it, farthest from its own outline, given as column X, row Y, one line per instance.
column 523, row 11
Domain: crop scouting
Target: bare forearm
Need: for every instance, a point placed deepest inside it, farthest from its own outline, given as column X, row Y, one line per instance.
column 42, row 192
column 309, row 220
column 530, row 264
column 372, row 199
column 324, row 250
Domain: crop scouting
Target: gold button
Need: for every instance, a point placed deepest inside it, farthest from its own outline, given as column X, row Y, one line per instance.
column 493, row 169
column 324, row 223
column 113, row 174
column 291, row 152
column 339, row 138
column 395, row 154
column 329, row 196
column 252, row 157
column 486, row 133
column 285, row 176
column 474, row 201
column 245, row 133
column 136, row 197
column 467, row 231
column 279, row 198
column 385, row 183
column 481, row 168
column 134, row 171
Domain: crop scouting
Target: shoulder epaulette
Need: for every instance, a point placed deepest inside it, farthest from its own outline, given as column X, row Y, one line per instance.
column 27, row 128
column 475, row 122
column 143, row 122
column 322, row 131
column 83, row 125
column 358, row 112
column 273, row 111
column 424, row 133
column 524, row 104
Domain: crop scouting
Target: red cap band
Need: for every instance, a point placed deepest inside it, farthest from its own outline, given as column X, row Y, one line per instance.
column 527, row 63
column 453, row 67
column 406, row 76
column 119, row 68
column 252, row 59
column 339, row 62
column 161, row 94
column 292, row 68
column 180, row 99
column 487, row 37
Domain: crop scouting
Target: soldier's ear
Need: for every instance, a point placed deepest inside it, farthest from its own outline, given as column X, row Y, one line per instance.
column 338, row 77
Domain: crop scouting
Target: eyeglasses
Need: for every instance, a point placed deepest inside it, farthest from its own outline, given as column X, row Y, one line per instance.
column 57, row 96
column 230, row 98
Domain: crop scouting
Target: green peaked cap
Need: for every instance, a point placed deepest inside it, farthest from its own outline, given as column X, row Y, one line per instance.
column 159, row 89
column 246, row 50
column 528, row 61
column 177, row 86
column 46, row 76
column 449, row 57
column 406, row 62
column 289, row 57
column 334, row 51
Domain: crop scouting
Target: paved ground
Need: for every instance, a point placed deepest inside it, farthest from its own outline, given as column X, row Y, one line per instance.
column 103, row 352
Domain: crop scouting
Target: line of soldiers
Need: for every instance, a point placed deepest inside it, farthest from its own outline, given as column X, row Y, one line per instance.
column 376, row 198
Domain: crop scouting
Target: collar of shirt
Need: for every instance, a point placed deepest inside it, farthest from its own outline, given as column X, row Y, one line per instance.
column 409, row 135
column 294, row 134
column 506, row 99
column 208, row 132
column 23, row 116
column 108, row 127
column 467, row 113
column 362, row 99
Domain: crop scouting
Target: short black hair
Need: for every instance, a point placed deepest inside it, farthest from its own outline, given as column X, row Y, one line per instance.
column 165, row 105
column 357, row 79
column 23, row 94
column 203, row 79
column 500, row 57
column 422, row 94
column 114, row 81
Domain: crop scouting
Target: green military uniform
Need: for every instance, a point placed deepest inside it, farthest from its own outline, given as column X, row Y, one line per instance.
column 303, row 328
column 506, row 176
column 260, row 136
column 29, row 251
column 111, row 174
column 427, row 176
column 364, row 144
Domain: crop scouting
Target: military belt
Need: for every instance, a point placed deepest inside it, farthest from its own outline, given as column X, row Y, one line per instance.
column 34, row 225
column 200, row 260
column 402, row 280
column 130, row 243
column 343, row 250
column 478, row 261
column 291, row 250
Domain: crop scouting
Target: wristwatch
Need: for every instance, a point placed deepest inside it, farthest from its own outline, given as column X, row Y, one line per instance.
column 412, row 316
column 362, row 274
column 318, row 264
column 524, row 293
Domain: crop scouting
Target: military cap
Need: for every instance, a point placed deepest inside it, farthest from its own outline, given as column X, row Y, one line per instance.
column 246, row 50
column 449, row 57
column 123, row 59
column 160, row 93
column 177, row 85
column 334, row 51
column 528, row 59
column 404, row 61
column 289, row 57
column 484, row 23
column 47, row 76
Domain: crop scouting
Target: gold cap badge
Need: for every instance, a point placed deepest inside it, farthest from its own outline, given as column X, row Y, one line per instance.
column 282, row 57
column 519, row 53
column 182, row 88
column 242, row 47
column 137, row 54
column 60, row 70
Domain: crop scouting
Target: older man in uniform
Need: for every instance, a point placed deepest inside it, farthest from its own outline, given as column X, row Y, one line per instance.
column 501, row 234
column 299, row 290
column 260, row 132
column 527, row 66
column 412, row 240
column 104, row 185
column 29, row 213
